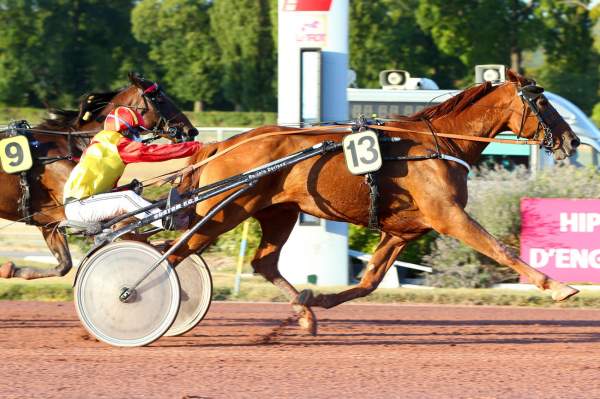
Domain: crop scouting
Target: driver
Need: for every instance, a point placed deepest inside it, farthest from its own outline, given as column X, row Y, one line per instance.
column 87, row 195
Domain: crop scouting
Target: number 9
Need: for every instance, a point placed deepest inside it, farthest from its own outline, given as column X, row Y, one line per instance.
column 15, row 152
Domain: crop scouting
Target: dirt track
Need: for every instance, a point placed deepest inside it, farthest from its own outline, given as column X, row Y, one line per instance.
column 362, row 351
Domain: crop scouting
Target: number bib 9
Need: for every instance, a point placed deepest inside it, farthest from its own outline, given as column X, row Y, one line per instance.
column 15, row 155
column 362, row 152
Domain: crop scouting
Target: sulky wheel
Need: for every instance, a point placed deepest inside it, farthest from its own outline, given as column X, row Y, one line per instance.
column 196, row 294
column 146, row 314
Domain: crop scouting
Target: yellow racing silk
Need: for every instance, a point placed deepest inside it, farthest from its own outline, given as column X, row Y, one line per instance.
column 99, row 168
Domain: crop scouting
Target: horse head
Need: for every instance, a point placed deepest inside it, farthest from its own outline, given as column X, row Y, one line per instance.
column 159, row 110
column 539, row 117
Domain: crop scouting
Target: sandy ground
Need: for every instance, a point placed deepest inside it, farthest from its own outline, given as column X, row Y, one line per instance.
column 374, row 351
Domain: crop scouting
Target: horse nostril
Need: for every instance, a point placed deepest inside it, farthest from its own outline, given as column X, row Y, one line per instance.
column 575, row 143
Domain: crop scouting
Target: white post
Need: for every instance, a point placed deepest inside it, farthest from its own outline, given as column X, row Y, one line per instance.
column 314, row 247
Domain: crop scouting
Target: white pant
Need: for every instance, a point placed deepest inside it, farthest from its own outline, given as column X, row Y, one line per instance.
column 106, row 206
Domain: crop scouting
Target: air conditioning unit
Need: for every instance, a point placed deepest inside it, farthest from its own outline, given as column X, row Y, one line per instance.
column 495, row 73
column 396, row 79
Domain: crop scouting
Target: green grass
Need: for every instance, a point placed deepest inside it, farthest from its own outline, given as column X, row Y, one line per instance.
column 254, row 288
column 36, row 292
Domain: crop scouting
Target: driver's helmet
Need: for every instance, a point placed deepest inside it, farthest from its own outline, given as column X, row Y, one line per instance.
column 124, row 120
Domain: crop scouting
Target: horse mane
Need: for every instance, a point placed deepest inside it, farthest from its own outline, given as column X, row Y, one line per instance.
column 64, row 120
column 456, row 104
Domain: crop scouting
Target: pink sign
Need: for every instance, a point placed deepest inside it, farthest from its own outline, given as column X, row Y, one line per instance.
column 561, row 237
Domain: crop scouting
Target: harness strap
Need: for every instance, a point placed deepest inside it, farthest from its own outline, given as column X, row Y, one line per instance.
column 455, row 159
column 457, row 136
column 338, row 129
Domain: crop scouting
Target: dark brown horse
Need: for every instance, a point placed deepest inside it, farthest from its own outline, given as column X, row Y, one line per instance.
column 415, row 196
column 47, row 180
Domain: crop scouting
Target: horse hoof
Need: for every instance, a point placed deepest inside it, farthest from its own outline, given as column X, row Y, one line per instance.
column 304, row 298
column 564, row 292
column 7, row 270
column 308, row 321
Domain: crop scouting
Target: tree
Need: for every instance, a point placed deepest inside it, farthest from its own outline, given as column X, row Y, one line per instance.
column 178, row 35
column 243, row 31
column 19, row 47
column 51, row 51
column 384, row 35
column 571, row 67
column 482, row 31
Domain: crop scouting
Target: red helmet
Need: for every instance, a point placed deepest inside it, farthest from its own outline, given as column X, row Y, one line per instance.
column 123, row 119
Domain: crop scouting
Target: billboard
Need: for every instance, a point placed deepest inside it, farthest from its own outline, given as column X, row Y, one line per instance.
column 561, row 237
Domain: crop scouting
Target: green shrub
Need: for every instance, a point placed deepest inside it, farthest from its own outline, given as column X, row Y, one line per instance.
column 366, row 240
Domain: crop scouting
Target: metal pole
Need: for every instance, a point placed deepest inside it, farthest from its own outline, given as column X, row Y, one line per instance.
column 126, row 291
column 240, row 262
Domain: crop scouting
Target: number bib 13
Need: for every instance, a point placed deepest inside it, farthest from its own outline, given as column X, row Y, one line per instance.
column 362, row 152
column 15, row 155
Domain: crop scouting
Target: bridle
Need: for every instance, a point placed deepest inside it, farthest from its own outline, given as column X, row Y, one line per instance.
column 530, row 94
column 153, row 94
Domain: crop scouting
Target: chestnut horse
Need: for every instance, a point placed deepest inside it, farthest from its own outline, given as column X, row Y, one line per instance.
column 47, row 179
column 415, row 196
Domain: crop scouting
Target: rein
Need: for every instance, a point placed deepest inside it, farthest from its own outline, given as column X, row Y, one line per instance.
column 338, row 129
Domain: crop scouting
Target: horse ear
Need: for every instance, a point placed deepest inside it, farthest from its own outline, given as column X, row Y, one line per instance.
column 135, row 78
column 512, row 76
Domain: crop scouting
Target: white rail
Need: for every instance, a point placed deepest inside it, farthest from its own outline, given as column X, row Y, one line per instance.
column 366, row 257
column 208, row 134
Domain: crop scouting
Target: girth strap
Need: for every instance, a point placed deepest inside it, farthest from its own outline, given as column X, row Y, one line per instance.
column 371, row 181
column 25, row 200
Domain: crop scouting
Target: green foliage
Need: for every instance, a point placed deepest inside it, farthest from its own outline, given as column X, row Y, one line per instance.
column 229, row 243
column 571, row 67
column 362, row 239
column 20, row 42
column 456, row 266
column 366, row 240
column 222, row 53
column 243, row 31
column 384, row 35
column 482, row 32
column 494, row 201
column 596, row 114
column 53, row 51
column 177, row 33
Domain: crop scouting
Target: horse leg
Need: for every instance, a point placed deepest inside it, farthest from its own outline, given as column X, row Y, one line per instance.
column 57, row 242
column 276, row 224
column 383, row 258
column 458, row 224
